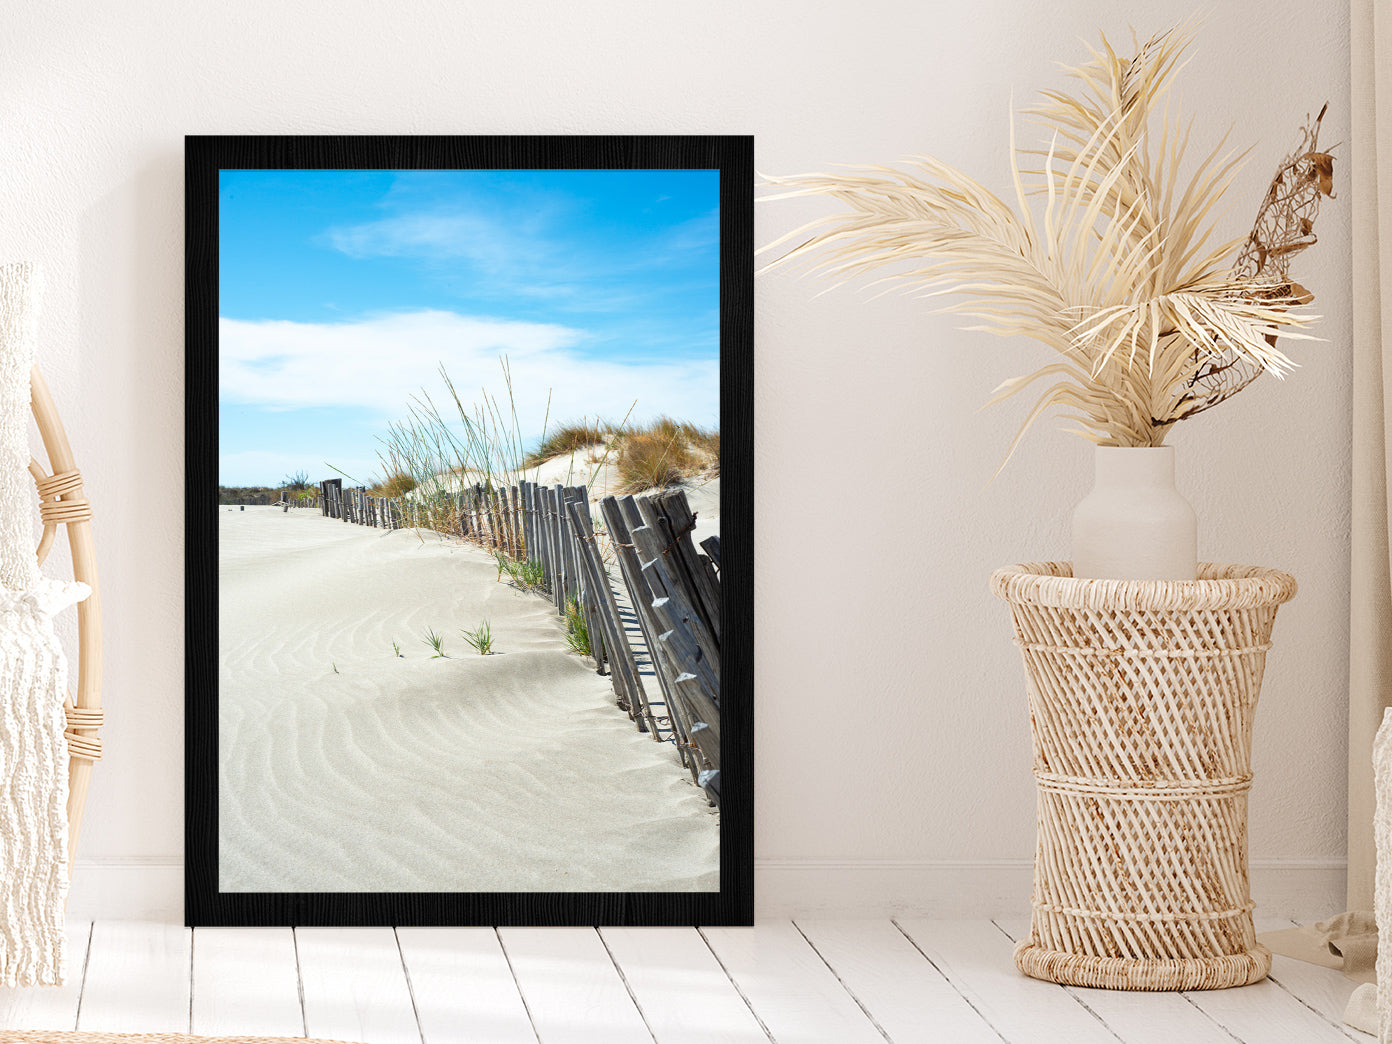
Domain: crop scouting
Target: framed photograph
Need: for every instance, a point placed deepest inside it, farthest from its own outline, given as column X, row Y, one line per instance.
column 469, row 530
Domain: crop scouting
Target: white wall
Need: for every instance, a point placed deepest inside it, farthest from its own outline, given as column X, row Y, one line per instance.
column 893, row 752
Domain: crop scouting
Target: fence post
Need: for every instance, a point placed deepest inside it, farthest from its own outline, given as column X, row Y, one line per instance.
column 554, row 501
column 671, row 605
column 611, row 623
column 684, row 644
column 543, row 524
column 523, row 519
column 640, row 598
column 514, row 521
column 599, row 645
column 585, row 597
column 572, row 566
column 671, row 521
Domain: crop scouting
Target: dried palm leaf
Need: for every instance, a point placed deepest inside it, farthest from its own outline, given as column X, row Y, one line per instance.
column 1118, row 274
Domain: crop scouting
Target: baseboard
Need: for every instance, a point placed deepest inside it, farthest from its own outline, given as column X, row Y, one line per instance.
column 153, row 890
column 1307, row 890
column 127, row 890
column 1298, row 889
column 887, row 888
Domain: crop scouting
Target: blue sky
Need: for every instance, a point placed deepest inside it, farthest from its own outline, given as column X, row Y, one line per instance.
column 341, row 293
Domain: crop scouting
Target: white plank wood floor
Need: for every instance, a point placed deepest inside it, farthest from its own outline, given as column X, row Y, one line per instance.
column 821, row 982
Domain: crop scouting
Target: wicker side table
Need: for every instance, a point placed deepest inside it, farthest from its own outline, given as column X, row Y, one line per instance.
column 1141, row 696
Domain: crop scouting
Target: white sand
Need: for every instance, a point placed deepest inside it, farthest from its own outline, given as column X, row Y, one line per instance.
column 510, row 772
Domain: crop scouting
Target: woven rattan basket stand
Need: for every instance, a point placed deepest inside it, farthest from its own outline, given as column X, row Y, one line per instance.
column 1141, row 697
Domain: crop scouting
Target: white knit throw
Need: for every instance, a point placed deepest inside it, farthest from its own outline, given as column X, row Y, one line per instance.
column 33, row 681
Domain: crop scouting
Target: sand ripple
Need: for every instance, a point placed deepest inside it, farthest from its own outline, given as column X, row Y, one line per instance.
column 511, row 772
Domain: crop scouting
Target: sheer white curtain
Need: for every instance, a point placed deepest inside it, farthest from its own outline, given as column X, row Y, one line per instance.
column 1370, row 665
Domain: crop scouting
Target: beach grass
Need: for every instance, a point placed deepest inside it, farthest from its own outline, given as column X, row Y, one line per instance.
column 445, row 448
column 577, row 629
column 432, row 455
column 480, row 638
column 526, row 573
column 435, row 641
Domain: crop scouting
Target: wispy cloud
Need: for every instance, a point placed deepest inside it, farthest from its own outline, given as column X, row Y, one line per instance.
column 700, row 235
column 545, row 246
column 434, row 235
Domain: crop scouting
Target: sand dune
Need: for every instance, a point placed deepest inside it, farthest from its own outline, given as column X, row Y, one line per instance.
column 576, row 469
column 344, row 767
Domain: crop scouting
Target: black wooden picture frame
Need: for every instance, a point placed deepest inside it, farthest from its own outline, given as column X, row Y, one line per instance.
column 205, row 158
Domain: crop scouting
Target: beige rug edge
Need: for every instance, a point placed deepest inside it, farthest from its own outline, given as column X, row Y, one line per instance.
column 82, row 1037
column 1346, row 943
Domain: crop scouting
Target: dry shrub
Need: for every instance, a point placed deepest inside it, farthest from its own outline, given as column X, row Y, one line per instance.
column 711, row 445
column 666, row 428
column 568, row 439
column 660, row 453
column 704, row 442
column 650, row 459
column 395, row 485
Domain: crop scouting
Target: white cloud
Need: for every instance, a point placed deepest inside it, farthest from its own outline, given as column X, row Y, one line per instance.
column 383, row 362
column 377, row 362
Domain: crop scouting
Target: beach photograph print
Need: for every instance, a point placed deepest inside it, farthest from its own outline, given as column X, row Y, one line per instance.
column 468, row 561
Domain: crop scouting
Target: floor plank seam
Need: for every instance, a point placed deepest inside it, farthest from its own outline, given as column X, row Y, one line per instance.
column 1340, row 1026
column 948, row 979
column 1071, row 991
column 516, row 984
column 1210, row 1017
column 738, row 989
column 998, row 928
column 624, row 979
column 1343, row 1028
column 1088, row 1008
column 410, row 987
column 82, row 986
column 849, row 992
column 299, row 980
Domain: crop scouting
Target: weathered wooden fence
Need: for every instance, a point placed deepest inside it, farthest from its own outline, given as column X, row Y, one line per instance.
column 669, row 589
column 284, row 498
column 672, row 594
column 290, row 499
column 488, row 516
column 675, row 591
column 358, row 506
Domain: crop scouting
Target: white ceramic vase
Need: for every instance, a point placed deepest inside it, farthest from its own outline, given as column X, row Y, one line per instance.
column 1134, row 525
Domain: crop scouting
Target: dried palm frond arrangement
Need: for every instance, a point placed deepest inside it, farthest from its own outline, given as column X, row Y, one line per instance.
column 1154, row 321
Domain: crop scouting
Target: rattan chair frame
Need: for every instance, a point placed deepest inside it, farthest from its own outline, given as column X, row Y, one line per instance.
column 64, row 503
